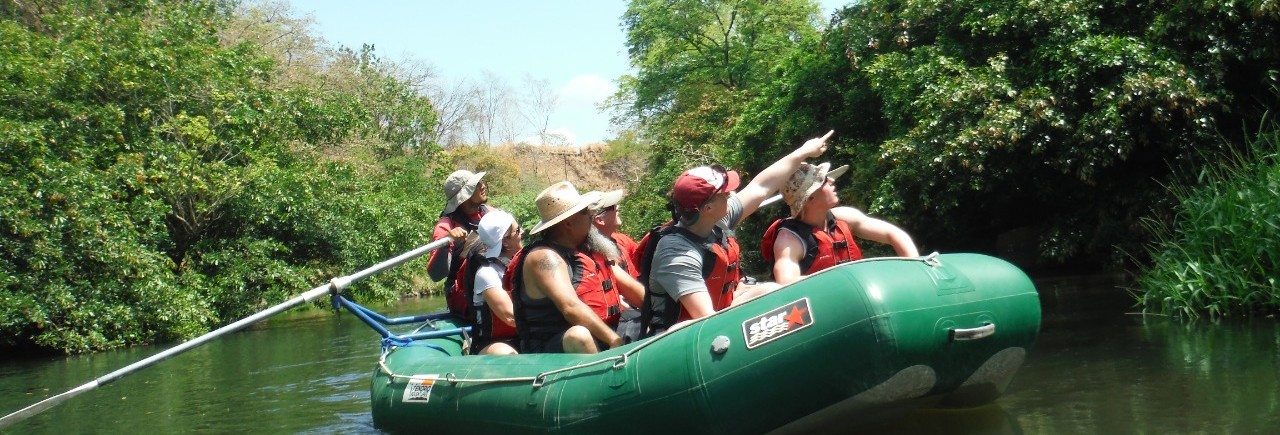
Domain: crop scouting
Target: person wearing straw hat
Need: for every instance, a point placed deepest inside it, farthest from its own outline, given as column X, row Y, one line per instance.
column 820, row 233
column 488, row 251
column 695, row 272
column 555, row 282
column 465, row 197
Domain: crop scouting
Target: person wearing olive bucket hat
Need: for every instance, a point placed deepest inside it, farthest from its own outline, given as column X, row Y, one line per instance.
column 555, row 282
column 708, row 207
column 820, row 233
column 465, row 197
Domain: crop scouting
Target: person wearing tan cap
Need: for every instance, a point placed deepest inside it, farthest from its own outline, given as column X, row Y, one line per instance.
column 465, row 198
column 607, row 220
column 820, row 233
column 556, row 283
column 694, row 267
column 620, row 249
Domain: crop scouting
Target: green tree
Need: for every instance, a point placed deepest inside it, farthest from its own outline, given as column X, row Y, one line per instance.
column 697, row 64
column 160, row 180
column 969, row 119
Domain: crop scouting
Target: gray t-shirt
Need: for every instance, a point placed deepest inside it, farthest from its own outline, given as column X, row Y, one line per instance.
column 677, row 263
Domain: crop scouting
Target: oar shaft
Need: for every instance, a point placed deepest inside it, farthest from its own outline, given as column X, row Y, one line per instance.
column 209, row 336
column 42, row 405
column 336, row 285
column 395, row 261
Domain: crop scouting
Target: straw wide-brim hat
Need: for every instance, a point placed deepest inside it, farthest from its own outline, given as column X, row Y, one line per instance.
column 558, row 202
column 806, row 180
column 459, row 187
column 607, row 199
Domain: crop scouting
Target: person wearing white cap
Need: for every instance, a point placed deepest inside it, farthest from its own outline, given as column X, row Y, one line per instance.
column 697, row 272
column 561, row 294
column 465, row 198
column 820, row 233
column 486, row 258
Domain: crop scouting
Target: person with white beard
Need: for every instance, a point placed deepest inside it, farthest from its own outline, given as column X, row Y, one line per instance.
column 562, row 296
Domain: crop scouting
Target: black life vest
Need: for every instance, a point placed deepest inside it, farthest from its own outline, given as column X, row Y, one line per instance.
column 721, row 271
column 539, row 319
column 486, row 327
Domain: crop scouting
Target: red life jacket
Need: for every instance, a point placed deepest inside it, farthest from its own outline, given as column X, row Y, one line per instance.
column 539, row 319
column 604, row 298
column 487, row 327
column 721, row 271
column 823, row 248
column 627, row 248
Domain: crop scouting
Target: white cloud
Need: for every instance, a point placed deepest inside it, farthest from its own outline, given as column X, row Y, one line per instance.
column 586, row 89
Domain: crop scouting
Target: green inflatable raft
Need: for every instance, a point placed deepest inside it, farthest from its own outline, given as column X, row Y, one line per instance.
column 847, row 346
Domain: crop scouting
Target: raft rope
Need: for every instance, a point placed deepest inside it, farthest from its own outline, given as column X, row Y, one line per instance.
column 619, row 361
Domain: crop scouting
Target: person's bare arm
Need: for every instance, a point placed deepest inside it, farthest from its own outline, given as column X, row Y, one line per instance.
column 549, row 274
column 773, row 177
column 698, row 304
column 630, row 289
column 499, row 302
column 788, row 250
column 877, row 230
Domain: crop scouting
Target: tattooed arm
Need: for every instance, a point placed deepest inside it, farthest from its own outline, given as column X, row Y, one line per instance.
column 547, row 275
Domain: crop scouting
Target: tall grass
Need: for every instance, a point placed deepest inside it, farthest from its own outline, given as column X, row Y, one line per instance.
column 1220, row 257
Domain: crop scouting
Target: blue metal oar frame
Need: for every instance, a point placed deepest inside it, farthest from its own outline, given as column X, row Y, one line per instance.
column 389, row 339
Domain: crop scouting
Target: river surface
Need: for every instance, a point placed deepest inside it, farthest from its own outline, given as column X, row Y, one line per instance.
column 1094, row 369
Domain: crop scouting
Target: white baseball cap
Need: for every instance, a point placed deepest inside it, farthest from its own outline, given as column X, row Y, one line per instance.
column 493, row 227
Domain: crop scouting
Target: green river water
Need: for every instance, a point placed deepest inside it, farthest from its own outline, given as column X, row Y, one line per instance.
column 1094, row 369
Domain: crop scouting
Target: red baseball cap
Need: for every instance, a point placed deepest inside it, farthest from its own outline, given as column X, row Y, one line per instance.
column 695, row 186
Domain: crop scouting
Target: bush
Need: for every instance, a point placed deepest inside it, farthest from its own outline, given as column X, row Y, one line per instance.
column 1219, row 256
column 159, row 183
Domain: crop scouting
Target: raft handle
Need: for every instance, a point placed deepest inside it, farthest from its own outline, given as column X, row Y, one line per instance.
column 620, row 363
column 932, row 260
column 984, row 331
column 538, row 380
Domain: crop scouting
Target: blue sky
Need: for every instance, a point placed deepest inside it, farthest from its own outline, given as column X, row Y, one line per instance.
column 577, row 46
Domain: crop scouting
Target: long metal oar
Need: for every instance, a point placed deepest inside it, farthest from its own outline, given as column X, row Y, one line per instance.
column 334, row 286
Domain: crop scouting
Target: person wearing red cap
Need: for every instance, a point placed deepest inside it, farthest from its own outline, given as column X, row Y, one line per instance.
column 695, row 272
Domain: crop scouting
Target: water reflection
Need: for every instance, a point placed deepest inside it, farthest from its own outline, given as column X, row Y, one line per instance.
column 1094, row 369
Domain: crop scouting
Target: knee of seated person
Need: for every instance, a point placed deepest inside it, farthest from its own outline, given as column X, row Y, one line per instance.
column 498, row 349
column 578, row 339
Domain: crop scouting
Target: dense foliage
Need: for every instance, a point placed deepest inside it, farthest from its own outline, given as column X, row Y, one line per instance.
column 969, row 120
column 160, row 181
column 1218, row 256
column 698, row 63
column 975, row 118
